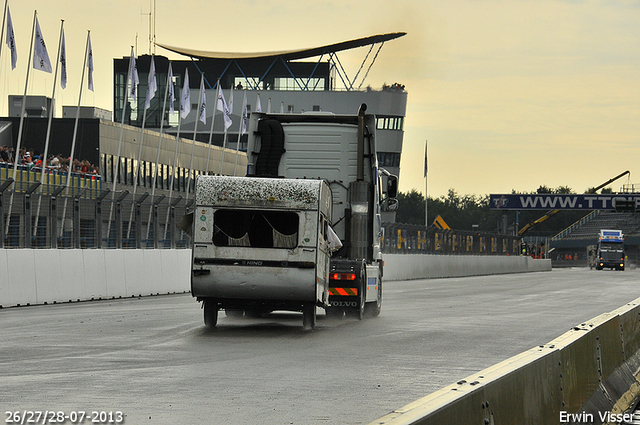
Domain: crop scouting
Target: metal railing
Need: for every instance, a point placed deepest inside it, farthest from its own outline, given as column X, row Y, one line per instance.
column 401, row 238
column 43, row 216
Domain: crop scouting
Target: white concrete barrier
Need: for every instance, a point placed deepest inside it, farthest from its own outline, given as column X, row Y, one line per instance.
column 421, row 266
column 39, row 276
column 589, row 375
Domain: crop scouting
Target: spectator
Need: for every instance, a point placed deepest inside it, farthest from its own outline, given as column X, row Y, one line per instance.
column 4, row 154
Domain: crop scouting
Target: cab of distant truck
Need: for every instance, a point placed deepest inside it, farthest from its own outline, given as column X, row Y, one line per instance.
column 610, row 250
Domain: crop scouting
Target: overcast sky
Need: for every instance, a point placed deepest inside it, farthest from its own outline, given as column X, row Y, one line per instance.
column 510, row 94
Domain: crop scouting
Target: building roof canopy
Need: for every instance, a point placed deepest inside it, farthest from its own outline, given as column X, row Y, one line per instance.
column 287, row 55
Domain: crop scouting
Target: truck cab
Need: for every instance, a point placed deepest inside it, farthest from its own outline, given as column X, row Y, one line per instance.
column 610, row 250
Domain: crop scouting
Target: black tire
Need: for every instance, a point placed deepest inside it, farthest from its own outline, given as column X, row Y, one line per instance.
column 309, row 316
column 210, row 313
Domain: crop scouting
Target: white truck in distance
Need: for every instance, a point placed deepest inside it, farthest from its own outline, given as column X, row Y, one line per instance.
column 302, row 229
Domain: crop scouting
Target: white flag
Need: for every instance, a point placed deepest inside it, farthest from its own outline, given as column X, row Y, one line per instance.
column 41, row 59
column 425, row 159
column 133, row 76
column 11, row 40
column 172, row 96
column 63, row 62
column 90, row 62
column 222, row 107
column 203, row 105
column 152, row 85
column 185, row 99
column 258, row 104
column 245, row 115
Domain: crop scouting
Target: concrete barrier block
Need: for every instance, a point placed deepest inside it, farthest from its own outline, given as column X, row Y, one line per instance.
column 133, row 261
column 426, row 266
column 21, row 275
column 72, row 271
column 606, row 328
column 115, row 274
column 525, row 388
column 4, row 282
column 153, row 272
column 460, row 403
column 176, row 269
column 579, row 366
column 49, row 283
column 630, row 327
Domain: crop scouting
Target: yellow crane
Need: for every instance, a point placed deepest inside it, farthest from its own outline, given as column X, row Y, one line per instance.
column 549, row 214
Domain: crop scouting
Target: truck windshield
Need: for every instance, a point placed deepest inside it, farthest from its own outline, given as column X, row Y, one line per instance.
column 256, row 229
column 611, row 246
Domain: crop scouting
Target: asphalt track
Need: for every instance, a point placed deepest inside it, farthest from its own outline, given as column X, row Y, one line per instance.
column 153, row 360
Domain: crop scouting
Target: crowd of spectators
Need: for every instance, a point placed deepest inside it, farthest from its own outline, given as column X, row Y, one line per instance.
column 28, row 158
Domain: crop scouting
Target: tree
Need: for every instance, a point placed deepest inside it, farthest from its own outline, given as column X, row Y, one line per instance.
column 465, row 212
column 410, row 208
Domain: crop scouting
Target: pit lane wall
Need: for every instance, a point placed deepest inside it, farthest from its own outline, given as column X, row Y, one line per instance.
column 589, row 375
column 47, row 276
column 421, row 266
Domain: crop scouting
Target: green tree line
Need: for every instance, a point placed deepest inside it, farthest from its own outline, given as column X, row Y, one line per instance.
column 471, row 212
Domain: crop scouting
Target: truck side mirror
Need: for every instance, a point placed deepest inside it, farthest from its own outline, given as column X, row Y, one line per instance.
column 392, row 186
column 390, row 204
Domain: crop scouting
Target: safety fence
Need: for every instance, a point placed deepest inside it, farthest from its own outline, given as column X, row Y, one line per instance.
column 83, row 215
column 401, row 238
column 33, row 215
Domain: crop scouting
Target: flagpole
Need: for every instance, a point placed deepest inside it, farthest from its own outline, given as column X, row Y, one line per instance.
column 426, row 197
column 224, row 141
column 175, row 154
column 117, row 161
column 2, row 30
column 48, row 136
column 242, row 122
column 173, row 173
column 213, row 120
column 155, row 175
column 224, row 145
column 136, row 172
column 195, row 131
column 22, row 112
column 75, row 132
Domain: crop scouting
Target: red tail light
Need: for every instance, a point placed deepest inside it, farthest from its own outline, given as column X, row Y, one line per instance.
column 343, row 276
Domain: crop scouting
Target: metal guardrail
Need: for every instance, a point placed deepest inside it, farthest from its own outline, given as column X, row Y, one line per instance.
column 34, row 215
column 401, row 238
column 44, row 216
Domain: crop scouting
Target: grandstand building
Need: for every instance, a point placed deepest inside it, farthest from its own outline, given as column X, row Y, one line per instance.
column 285, row 81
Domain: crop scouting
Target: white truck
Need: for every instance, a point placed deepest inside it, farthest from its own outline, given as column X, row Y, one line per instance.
column 302, row 229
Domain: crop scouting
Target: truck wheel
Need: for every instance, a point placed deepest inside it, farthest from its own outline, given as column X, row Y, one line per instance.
column 210, row 313
column 309, row 315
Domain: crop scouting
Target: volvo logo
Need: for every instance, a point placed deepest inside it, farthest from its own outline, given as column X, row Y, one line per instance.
column 344, row 304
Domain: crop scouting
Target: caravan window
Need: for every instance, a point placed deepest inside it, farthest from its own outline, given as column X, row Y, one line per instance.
column 256, row 229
